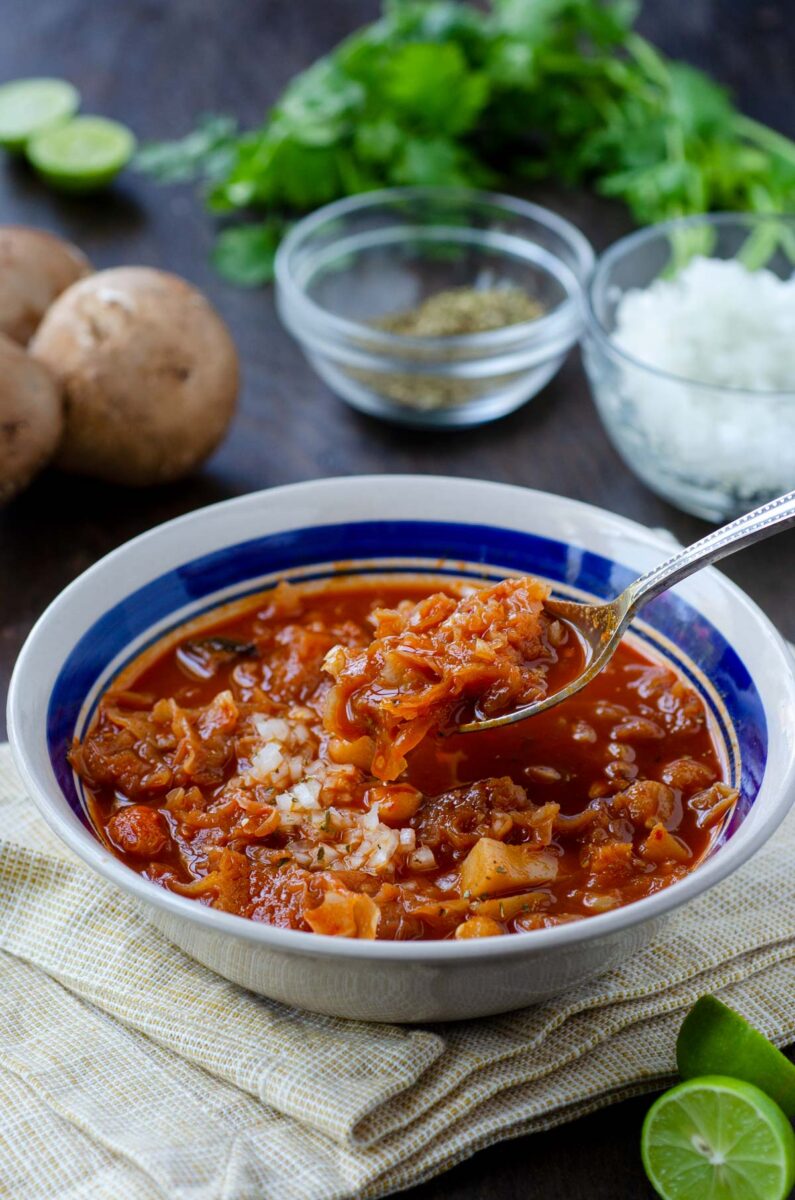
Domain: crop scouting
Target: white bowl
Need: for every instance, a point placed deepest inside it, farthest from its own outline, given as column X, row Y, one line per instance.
column 716, row 635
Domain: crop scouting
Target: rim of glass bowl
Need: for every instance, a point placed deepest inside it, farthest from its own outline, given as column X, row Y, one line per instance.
column 631, row 242
column 308, row 314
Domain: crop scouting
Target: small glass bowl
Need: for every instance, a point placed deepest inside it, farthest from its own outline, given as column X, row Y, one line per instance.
column 359, row 260
column 714, row 451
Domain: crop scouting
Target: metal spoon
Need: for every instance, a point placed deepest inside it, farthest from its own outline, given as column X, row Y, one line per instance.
column 600, row 626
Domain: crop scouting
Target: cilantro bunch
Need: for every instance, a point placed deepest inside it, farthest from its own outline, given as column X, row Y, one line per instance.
column 444, row 93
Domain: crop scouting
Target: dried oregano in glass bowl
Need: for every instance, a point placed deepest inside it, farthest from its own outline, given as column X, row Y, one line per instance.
column 454, row 312
column 434, row 307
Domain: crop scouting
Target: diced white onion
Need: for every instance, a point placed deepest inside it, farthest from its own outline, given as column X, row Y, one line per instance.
column 266, row 761
column 386, row 845
column 370, row 819
column 271, row 729
column 422, row 859
column 305, row 797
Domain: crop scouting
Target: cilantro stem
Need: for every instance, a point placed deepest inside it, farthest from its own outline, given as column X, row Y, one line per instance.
column 647, row 57
column 764, row 137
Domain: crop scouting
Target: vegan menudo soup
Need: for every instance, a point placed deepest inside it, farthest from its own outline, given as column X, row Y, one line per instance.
column 297, row 763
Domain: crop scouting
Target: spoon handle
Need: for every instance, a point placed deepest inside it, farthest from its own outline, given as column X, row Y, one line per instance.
column 772, row 517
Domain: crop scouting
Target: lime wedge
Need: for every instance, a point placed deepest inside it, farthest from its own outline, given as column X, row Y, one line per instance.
column 83, row 154
column 28, row 106
column 716, row 1138
column 715, row 1040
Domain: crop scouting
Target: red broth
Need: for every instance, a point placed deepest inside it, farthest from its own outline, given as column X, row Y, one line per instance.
column 215, row 770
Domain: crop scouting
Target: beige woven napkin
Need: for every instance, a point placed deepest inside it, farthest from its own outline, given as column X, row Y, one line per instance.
column 128, row 1070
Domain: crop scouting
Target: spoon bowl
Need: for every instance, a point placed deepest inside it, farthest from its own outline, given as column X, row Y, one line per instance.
column 601, row 626
column 598, row 627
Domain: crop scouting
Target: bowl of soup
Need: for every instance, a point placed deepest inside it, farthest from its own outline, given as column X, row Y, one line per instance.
column 250, row 719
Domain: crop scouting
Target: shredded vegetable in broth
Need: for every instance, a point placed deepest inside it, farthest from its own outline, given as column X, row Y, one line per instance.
column 294, row 764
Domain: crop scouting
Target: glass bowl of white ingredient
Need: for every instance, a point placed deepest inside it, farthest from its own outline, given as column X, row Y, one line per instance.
column 690, row 352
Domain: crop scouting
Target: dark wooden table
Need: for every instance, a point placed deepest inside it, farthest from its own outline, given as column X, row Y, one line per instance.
column 156, row 64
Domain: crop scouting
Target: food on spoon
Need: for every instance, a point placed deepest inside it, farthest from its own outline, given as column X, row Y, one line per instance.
column 149, row 373
column 426, row 659
column 35, row 267
column 210, row 771
column 31, row 418
column 28, row 106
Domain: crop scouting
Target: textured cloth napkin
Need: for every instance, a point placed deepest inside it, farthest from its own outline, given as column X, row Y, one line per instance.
column 128, row 1070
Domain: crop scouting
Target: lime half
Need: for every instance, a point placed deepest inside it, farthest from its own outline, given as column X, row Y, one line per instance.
column 716, row 1138
column 715, row 1040
column 28, row 106
column 83, row 154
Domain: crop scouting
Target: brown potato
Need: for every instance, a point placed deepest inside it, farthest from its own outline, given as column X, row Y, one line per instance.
column 149, row 374
column 31, row 418
column 491, row 868
column 35, row 267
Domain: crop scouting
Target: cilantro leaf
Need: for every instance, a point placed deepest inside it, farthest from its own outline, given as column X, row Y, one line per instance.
column 700, row 106
column 378, row 141
column 443, row 21
column 201, row 154
column 432, row 87
column 244, row 254
column 319, row 106
column 436, row 162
